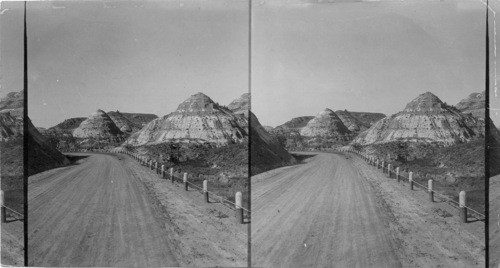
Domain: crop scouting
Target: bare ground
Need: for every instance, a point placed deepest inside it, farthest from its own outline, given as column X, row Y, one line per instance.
column 335, row 210
column 12, row 242
column 494, row 226
column 109, row 211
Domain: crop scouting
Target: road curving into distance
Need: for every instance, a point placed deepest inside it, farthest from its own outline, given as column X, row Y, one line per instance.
column 318, row 214
column 95, row 213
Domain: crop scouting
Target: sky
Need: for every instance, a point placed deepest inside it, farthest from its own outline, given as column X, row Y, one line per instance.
column 363, row 56
column 144, row 57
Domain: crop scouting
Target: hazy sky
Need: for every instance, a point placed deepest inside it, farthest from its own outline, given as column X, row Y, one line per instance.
column 363, row 56
column 134, row 57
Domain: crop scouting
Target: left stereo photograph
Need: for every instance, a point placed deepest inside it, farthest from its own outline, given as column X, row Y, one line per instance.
column 12, row 192
column 137, row 133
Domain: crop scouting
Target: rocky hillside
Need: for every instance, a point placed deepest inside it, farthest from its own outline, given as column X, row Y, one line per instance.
column 425, row 119
column 41, row 153
column 138, row 119
column 69, row 124
column 266, row 151
column 367, row 118
column 11, row 127
column 240, row 105
column 326, row 125
column 351, row 122
column 11, row 149
column 97, row 126
column 474, row 104
column 197, row 120
column 13, row 103
column 125, row 125
column 296, row 123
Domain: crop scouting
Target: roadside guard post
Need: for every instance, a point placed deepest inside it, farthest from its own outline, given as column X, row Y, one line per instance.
column 205, row 190
column 163, row 171
column 2, row 204
column 397, row 174
column 463, row 206
column 410, row 178
column 383, row 166
column 156, row 167
column 377, row 164
column 431, row 192
column 239, row 208
column 172, row 174
column 185, row 179
column 389, row 170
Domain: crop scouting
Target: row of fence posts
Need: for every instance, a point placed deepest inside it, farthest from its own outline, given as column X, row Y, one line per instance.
column 160, row 170
column 387, row 169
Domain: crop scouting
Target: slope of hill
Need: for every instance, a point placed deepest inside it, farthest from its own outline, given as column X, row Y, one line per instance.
column 139, row 119
column 351, row 122
column 474, row 104
column 125, row 125
column 367, row 118
column 41, row 153
column 266, row 151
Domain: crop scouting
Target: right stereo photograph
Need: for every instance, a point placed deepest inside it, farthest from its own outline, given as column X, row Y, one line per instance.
column 493, row 145
column 368, row 134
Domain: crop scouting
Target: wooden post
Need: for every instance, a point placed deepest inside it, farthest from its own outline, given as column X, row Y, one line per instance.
column 389, row 170
column 185, row 181
column 383, row 166
column 397, row 173
column 239, row 208
column 410, row 178
column 431, row 192
column 156, row 167
column 2, row 205
column 172, row 174
column 205, row 190
column 462, row 201
column 377, row 164
column 163, row 171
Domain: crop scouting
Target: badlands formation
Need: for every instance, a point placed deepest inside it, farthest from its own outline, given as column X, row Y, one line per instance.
column 351, row 122
column 97, row 125
column 198, row 119
column 326, row 125
column 125, row 125
column 425, row 119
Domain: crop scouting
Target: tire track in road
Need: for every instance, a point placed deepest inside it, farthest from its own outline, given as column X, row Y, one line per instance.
column 94, row 214
column 319, row 214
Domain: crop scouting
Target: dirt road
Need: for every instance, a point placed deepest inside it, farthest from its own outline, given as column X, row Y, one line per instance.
column 331, row 211
column 109, row 211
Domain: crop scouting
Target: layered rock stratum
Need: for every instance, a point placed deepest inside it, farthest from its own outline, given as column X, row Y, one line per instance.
column 368, row 118
column 197, row 120
column 138, row 119
column 425, row 119
column 475, row 104
column 125, row 125
column 351, row 122
column 99, row 126
column 326, row 125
